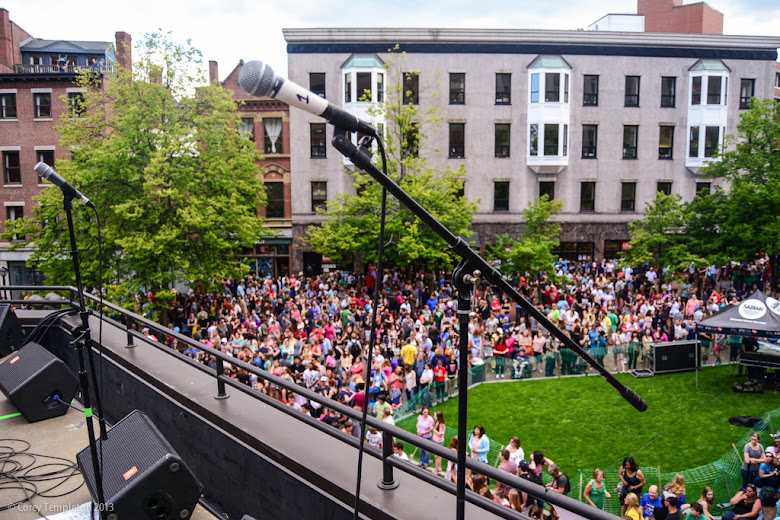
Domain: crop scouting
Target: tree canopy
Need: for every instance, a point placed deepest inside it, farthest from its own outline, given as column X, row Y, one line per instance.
column 352, row 219
column 174, row 181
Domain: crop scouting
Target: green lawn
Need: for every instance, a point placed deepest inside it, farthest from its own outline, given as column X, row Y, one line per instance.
column 582, row 422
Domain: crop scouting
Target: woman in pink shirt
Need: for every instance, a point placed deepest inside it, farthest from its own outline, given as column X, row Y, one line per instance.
column 439, row 428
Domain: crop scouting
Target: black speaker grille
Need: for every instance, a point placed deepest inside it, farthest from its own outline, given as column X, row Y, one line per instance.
column 23, row 365
column 121, row 453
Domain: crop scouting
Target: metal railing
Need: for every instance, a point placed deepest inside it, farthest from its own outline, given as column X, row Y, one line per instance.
column 389, row 461
column 52, row 69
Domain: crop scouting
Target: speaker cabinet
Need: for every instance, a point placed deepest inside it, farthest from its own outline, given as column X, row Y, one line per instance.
column 11, row 333
column 676, row 356
column 35, row 381
column 143, row 477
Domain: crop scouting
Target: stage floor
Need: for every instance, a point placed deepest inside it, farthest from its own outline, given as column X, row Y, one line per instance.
column 63, row 437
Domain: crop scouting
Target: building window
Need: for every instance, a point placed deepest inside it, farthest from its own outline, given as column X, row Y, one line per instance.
column 411, row 147
column 693, row 142
column 502, row 140
column 319, row 195
column 576, row 251
column 272, row 130
column 714, row 84
column 317, row 133
column 533, row 140
column 363, row 85
column 665, row 142
column 589, row 141
column 12, row 171
column 274, row 200
column 411, row 88
column 612, row 248
column 247, row 128
column 8, row 106
column 457, row 88
column 348, row 87
column 747, row 89
column 535, row 87
column 380, row 87
column 627, row 196
column 703, row 187
column 457, row 140
column 711, row 140
column 587, row 196
column 46, row 157
column 552, row 87
column 501, row 196
column 632, row 91
column 565, row 140
column 590, row 88
column 317, row 83
column 547, row 188
column 551, row 139
column 668, row 91
column 76, row 100
column 696, row 90
column 12, row 213
column 664, row 187
column 42, row 105
column 630, row 139
column 503, row 88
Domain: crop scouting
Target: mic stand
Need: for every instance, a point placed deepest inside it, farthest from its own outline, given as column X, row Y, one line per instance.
column 462, row 278
column 81, row 337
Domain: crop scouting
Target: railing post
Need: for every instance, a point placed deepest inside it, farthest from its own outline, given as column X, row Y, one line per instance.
column 128, row 322
column 387, row 481
column 221, row 393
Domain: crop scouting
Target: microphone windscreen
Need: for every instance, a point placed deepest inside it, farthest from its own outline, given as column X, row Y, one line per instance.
column 256, row 78
column 43, row 169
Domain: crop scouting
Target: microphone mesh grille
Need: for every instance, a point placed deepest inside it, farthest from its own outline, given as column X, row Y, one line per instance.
column 256, row 78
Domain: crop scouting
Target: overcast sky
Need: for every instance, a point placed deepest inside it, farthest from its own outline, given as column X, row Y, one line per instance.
column 252, row 30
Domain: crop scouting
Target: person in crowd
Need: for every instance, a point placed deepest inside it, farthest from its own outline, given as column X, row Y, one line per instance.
column 516, row 453
column 595, row 491
column 560, row 482
column 508, row 466
column 754, row 456
column 631, row 508
column 747, row 504
column 705, row 503
column 425, row 425
column 769, row 471
column 439, row 429
column 677, row 487
column 451, row 474
column 650, row 501
column 632, row 478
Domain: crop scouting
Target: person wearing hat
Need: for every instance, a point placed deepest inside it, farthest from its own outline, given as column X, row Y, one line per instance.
column 669, row 510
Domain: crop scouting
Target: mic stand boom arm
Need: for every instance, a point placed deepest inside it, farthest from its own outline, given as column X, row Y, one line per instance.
column 463, row 277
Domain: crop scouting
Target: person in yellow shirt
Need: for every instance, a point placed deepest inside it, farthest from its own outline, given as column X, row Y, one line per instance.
column 409, row 353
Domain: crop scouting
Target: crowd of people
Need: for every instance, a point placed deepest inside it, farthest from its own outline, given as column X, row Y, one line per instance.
column 314, row 332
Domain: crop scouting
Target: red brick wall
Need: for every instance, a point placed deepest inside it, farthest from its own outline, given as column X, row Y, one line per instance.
column 124, row 49
column 27, row 133
column 672, row 16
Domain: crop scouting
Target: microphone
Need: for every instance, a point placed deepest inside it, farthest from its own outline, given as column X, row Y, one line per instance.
column 45, row 171
column 258, row 79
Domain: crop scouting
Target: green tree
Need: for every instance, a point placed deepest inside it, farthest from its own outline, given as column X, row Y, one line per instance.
column 174, row 181
column 659, row 238
column 532, row 252
column 743, row 220
column 352, row 224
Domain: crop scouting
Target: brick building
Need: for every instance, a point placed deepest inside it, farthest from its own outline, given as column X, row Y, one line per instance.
column 37, row 89
column 267, row 122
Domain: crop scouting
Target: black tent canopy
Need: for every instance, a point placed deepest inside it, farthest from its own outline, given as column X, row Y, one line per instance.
column 757, row 316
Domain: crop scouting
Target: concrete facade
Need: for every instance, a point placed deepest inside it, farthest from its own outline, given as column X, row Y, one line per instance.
column 481, row 54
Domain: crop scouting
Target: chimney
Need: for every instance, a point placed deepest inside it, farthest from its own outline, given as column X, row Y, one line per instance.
column 213, row 73
column 6, row 38
column 124, row 49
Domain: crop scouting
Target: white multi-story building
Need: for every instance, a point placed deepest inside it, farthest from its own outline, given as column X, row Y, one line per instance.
column 600, row 120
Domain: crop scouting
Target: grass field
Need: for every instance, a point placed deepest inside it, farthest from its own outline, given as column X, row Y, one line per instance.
column 582, row 422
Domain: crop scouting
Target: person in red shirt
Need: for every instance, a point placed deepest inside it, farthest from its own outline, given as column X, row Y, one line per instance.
column 440, row 379
column 500, row 351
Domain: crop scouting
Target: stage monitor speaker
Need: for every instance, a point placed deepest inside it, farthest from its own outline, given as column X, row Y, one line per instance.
column 143, row 477
column 676, row 356
column 37, row 383
column 11, row 333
